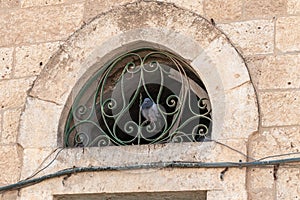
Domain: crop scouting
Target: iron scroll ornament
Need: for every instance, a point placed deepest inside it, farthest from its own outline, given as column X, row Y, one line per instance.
column 108, row 109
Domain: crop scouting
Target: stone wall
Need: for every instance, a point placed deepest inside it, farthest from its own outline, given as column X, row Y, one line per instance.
column 265, row 33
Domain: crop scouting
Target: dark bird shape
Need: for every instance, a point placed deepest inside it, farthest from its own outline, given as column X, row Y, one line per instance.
column 150, row 111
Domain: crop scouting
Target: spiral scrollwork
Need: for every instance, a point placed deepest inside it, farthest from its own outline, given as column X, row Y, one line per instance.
column 111, row 108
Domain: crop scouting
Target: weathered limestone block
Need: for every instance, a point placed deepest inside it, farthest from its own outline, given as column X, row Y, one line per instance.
column 142, row 181
column 275, row 141
column 9, row 195
column 39, row 124
column 9, row 4
column 31, row 3
column 260, row 183
column 96, row 7
column 6, row 61
column 110, row 31
column 288, row 183
column 280, row 108
column 288, row 33
column 13, row 92
column 275, row 72
column 11, row 120
column 264, row 8
column 10, row 164
column 230, row 90
column 54, row 82
column 39, row 24
column 223, row 10
column 193, row 5
column 251, row 37
column 36, row 159
column 30, row 60
column 293, row 7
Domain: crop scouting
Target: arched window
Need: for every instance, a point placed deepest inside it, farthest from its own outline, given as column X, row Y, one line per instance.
column 145, row 96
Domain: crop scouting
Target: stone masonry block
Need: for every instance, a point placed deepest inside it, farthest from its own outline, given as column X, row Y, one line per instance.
column 11, row 120
column 293, row 7
column 13, row 92
column 260, row 183
column 10, row 164
column 251, row 37
column 275, row 72
column 288, row 33
column 39, row 124
column 288, row 184
column 95, row 7
column 272, row 141
column 229, row 10
column 280, row 108
column 30, row 60
column 9, row 195
column 9, row 4
column 6, row 61
column 35, row 159
column 264, row 8
column 193, row 5
column 39, row 24
column 32, row 3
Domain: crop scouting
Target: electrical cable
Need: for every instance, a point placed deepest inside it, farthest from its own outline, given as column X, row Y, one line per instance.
column 161, row 165
column 37, row 172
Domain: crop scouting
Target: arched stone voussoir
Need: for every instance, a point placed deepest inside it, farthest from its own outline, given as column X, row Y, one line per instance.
column 231, row 92
column 156, row 24
column 161, row 26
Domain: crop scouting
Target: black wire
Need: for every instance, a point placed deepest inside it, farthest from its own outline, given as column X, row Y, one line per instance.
column 33, row 175
column 279, row 155
column 233, row 149
column 174, row 164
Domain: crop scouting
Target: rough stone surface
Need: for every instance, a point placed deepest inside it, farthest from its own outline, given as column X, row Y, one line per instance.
column 260, row 183
column 21, row 25
column 10, row 164
column 288, row 33
column 1, row 125
column 288, row 184
column 39, row 124
column 193, row 5
column 230, row 91
column 10, row 195
column 6, row 61
column 272, row 141
column 236, row 123
column 223, row 10
column 13, row 92
column 9, row 4
column 251, row 37
column 30, row 60
column 293, row 7
column 95, row 7
column 10, row 126
column 218, row 73
column 275, row 72
column 53, row 83
column 32, row 3
column 68, row 67
column 140, row 181
column 280, row 108
column 264, row 8
column 36, row 159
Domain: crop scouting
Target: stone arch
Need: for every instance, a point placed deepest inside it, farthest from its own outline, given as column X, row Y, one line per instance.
column 162, row 26
column 158, row 25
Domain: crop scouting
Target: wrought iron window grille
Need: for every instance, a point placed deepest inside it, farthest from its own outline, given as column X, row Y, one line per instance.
column 145, row 96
